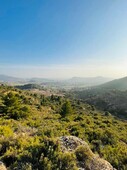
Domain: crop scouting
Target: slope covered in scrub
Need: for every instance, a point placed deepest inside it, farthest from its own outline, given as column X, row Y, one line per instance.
column 30, row 125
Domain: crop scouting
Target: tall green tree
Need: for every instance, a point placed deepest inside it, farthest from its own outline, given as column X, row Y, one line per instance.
column 66, row 109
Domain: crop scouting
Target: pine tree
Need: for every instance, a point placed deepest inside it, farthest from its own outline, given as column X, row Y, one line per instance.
column 66, row 109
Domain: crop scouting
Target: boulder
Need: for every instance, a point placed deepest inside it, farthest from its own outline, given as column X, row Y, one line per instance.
column 88, row 160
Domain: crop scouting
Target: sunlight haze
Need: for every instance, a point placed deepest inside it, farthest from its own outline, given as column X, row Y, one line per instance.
column 61, row 39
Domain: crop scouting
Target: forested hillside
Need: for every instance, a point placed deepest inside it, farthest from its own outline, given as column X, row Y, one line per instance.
column 111, row 96
column 117, row 84
column 29, row 87
column 31, row 126
column 113, row 101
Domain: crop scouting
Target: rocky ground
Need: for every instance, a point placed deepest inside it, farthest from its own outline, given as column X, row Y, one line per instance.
column 93, row 162
column 89, row 160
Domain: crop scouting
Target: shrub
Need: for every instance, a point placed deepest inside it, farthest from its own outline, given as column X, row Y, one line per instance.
column 67, row 161
column 13, row 106
column 83, row 153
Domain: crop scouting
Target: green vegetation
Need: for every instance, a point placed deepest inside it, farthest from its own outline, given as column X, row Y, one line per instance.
column 109, row 97
column 13, row 107
column 117, row 84
column 113, row 101
column 30, row 86
column 66, row 109
column 30, row 124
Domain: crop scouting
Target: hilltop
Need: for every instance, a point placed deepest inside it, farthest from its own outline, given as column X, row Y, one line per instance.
column 9, row 79
column 117, row 84
column 89, row 81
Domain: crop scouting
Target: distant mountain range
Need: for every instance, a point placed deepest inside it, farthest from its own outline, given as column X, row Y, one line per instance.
column 68, row 83
column 94, row 82
column 89, row 81
column 9, row 79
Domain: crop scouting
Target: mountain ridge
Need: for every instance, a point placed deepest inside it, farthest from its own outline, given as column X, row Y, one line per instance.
column 118, row 84
column 66, row 83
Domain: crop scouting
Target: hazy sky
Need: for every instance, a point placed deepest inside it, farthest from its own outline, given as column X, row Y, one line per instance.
column 63, row 38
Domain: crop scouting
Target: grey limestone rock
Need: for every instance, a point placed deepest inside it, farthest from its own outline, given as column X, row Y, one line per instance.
column 71, row 143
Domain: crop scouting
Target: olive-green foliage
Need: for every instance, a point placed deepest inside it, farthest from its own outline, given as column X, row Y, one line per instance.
column 67, row 161
column 5, row 131
column 83, row 153
column 66, row 109
column 13, row 106
column 84, row 156
column 106, row 99
column 31, row 143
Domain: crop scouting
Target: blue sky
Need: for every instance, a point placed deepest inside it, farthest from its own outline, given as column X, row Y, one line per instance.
column 63, row 38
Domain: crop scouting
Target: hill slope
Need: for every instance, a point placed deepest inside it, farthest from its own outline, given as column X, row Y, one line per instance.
column 118, row 84
column 31, row 124
column 89, row 81
column 29, row 86
column 111, row 96
column 113, row 101
column 10, row 79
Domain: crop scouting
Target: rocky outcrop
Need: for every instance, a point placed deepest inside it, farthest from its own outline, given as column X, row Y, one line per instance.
column 70, row 143
column 86, row 159
column 2, row 166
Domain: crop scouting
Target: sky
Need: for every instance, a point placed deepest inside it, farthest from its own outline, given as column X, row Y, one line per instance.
column 63, row 38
